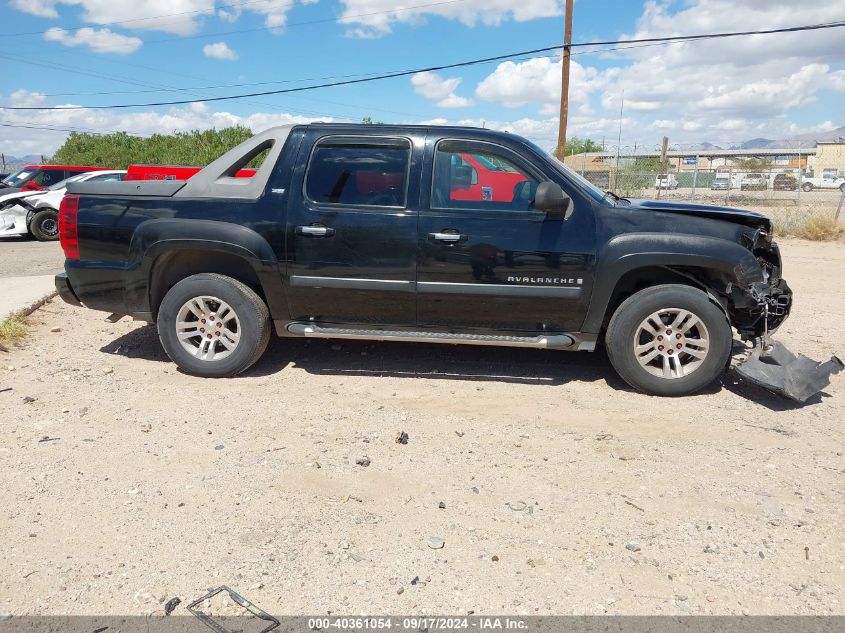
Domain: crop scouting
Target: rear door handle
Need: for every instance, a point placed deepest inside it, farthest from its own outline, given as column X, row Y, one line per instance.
column 314, row 230
column 449, row 238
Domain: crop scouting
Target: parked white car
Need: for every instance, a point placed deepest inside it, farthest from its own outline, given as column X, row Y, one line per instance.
column 36, row 213
column 828, row 181
column 666, row 181
column 754, row 182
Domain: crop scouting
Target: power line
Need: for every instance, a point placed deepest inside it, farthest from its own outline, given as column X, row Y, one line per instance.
column 474, row 62
column 51, row 128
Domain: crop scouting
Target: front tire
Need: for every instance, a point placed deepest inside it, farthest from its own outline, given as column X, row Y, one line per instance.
column 807, row 187
column 669, row 340
column 44, row 225
column 213, row 326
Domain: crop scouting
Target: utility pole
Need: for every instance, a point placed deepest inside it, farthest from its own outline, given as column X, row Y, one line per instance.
column 663, row 152
column 564, row 88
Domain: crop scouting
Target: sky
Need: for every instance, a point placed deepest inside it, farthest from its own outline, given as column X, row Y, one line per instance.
column 104, row 52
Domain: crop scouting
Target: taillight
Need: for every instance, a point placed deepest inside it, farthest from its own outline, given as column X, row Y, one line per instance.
column 68, row 226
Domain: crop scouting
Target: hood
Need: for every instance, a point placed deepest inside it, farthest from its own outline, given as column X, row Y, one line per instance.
column 726, row 214
column 8, row 194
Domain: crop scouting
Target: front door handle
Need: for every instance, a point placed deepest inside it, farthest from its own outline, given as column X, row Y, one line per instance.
column 449, row 238
column 314, row 230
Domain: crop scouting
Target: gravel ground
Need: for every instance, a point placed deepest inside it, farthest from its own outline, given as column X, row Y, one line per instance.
column 21, row 257
column 554, row 489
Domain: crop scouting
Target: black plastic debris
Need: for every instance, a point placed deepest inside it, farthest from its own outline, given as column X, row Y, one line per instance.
column 171, row 604
column 792, row 376
column 238, row 599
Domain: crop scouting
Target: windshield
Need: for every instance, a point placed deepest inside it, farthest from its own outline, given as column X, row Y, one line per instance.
column 19, row 177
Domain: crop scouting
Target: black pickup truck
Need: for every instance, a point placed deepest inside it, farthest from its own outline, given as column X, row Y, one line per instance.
column 422, row 234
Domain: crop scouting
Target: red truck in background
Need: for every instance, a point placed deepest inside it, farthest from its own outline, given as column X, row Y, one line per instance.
column 171, row 172
column 491, row 180
column 480, row 177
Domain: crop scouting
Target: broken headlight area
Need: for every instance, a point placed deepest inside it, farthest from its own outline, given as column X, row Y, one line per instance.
column 761, row 308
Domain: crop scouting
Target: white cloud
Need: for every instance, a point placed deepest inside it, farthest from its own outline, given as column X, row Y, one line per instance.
column 219, row 50
column 98, row 40
column 434, row 87
column 538, row 81
column 454, row 101
column 196, row 116
column 275, row 12
column 180, row 17
column 375, row 18
column 704, row 88
column 172, row 16
column 41, row 8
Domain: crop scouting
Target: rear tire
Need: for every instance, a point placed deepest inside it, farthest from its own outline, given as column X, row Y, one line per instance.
column 213, row 326
column 807, row 187
column 44, row 225
column 694, row 344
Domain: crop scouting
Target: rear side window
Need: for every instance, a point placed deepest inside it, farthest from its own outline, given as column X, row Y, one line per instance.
column 365, row 172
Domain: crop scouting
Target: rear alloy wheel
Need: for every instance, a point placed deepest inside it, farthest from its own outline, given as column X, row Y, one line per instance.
column 44, row 225
column 669, row 340
column 807, row 186
column 213, row 326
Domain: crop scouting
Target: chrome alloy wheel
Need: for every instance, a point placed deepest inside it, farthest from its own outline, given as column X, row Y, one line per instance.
column 208, row 328
column 671, row 343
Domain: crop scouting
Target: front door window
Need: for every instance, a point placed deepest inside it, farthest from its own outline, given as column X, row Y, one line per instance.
column 470, row 176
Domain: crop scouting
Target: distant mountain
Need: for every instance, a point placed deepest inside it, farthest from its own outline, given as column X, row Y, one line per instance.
column 807, row 140
column 756, row 143
column 13, row 163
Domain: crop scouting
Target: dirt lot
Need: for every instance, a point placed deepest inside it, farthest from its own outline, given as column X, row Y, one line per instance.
column 126, row 483
column 22, row 257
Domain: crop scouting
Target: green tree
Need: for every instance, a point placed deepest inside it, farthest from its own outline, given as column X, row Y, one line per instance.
column 576, row 145
column 368, row 120
column 753, row 164
column 118, row 150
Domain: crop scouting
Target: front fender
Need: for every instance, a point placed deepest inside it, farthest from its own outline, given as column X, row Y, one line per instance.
column 629, row 252
column 156, row 238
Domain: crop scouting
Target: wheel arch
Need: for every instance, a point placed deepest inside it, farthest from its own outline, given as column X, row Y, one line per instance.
column 163, row 252
column 634, row 262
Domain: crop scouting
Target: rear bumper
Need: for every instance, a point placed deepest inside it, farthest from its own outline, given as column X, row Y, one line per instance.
column 65, row 290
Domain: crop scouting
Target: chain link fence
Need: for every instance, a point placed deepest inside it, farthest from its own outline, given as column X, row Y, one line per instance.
column 798, row 205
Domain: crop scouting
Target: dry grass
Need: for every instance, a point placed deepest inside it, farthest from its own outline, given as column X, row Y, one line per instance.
column 12, row 330
column 808, row 225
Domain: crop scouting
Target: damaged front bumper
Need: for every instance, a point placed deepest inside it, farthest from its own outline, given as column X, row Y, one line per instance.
column 796, row 377
column 761, row 308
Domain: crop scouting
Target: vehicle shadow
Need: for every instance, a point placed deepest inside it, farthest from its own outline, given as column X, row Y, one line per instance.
column 438, row 362
column 402, row 360
column 736, row 384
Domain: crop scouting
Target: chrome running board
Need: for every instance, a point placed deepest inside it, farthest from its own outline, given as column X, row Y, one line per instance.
column 545, row 341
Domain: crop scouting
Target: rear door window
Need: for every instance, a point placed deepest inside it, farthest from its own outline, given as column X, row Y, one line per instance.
column 359, row 172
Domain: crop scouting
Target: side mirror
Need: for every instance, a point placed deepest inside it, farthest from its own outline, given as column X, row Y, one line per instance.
column 551, row 199
column 31, row 186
